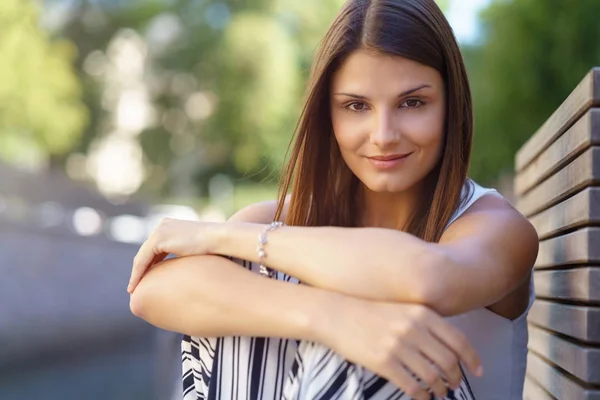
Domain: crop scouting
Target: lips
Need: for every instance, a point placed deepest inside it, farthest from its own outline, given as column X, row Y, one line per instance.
column 388, row 161
column 390, row 157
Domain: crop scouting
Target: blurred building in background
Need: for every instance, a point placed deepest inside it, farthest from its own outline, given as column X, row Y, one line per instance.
column 65, row 327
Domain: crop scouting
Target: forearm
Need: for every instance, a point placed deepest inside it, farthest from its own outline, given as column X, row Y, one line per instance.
column 371, row 263
column 211, row 296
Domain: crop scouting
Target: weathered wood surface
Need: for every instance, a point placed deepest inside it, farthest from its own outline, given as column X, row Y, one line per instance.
column 581, row 172
column 578, row 360
column 532, row 391
column 585, row 133
column 581, row 284
column 578, row 247
column 578, row 322
column 579, row 210
column 557, row 383
column 557, row 186
column 585, row 96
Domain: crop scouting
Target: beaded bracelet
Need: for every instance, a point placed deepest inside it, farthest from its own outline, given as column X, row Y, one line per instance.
column 260, row 250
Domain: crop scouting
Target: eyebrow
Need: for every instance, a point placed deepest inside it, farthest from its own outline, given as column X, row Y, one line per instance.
column 405, row 93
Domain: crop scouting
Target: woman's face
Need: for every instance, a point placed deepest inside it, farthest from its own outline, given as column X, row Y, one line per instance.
column 388, row 119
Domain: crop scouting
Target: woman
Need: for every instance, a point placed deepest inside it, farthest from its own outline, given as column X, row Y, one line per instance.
column 409, row 269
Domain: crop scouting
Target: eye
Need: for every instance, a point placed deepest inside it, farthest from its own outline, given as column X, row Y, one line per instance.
column 357, row 106
column 412, row 103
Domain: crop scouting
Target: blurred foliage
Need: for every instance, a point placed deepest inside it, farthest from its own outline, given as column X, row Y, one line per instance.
column 244, row 60
column 225, row 79
column 257, row 87
column 532, row 55
column 41, row 112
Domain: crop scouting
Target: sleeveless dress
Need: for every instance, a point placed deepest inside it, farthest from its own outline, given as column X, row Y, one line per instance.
column 257, row 368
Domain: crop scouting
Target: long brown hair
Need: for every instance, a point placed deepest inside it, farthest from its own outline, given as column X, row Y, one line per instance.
column 324, row 190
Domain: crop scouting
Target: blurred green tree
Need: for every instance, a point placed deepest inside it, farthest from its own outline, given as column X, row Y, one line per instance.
column 224, row 79
column 250, row 58
column 258, row 87
column 41, row 112
column 532, row 55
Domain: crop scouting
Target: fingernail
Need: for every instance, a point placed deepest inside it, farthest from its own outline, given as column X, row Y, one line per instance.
column 479, row 371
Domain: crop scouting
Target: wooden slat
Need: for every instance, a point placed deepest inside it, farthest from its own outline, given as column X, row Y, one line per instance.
column 577, row 211
column 556, row 383
column 585, row 96
column 581, row 172
column 578, row 247
column 585, row 133
column 578, row 360
column 580, row 284
column 532, row 391
column 579, row 322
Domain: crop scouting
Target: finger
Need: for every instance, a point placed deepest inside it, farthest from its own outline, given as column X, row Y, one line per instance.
column 396, row 373
column 443, row 358
column 424, row 370
column 140, row 264
column 158, row 258
column 458, row 343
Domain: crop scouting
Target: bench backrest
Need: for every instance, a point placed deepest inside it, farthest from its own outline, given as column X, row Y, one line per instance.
column 557, row 186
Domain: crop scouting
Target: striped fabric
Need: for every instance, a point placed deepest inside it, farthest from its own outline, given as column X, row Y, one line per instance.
column 251, row 368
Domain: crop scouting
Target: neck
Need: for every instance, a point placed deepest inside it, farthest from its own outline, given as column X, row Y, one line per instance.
column 389, row 210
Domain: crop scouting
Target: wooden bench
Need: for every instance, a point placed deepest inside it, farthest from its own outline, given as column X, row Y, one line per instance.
column 557, row 186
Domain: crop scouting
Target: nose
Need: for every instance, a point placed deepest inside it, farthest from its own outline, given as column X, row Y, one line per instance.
column 384, row 133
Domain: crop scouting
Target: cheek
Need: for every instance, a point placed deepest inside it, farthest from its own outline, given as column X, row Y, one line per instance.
column 425, row 131
column 347, row 133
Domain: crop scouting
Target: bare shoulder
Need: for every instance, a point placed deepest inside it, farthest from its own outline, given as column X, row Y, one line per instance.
column 260, row 213
column 493, row 225
column 495, row 211
column 494, row 231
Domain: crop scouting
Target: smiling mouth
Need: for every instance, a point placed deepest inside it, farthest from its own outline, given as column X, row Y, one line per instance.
column 391, row 157
column 388, row 162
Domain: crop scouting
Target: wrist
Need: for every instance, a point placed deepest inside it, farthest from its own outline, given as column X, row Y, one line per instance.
column 220, row 234
column 321, row 321
column 236, row 239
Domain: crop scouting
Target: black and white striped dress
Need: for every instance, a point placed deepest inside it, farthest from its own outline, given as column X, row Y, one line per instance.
column 252, row 368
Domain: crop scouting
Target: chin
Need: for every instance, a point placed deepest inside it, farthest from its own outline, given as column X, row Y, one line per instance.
column 389, row 185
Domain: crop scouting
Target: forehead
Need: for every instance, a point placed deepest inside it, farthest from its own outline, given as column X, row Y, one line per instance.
column 367, row 71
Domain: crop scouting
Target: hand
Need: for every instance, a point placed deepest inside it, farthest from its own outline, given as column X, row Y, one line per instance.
column 398, row 340
column 172, row 236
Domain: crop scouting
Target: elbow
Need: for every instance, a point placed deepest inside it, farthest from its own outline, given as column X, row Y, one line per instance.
column 139, row 301
column 432, row 288
column 434, row 297
column 149, row 294
column 136, row 304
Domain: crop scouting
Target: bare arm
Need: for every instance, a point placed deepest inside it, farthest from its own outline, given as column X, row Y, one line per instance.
column 372, row 263
column 212, row 296
column 473, row 266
